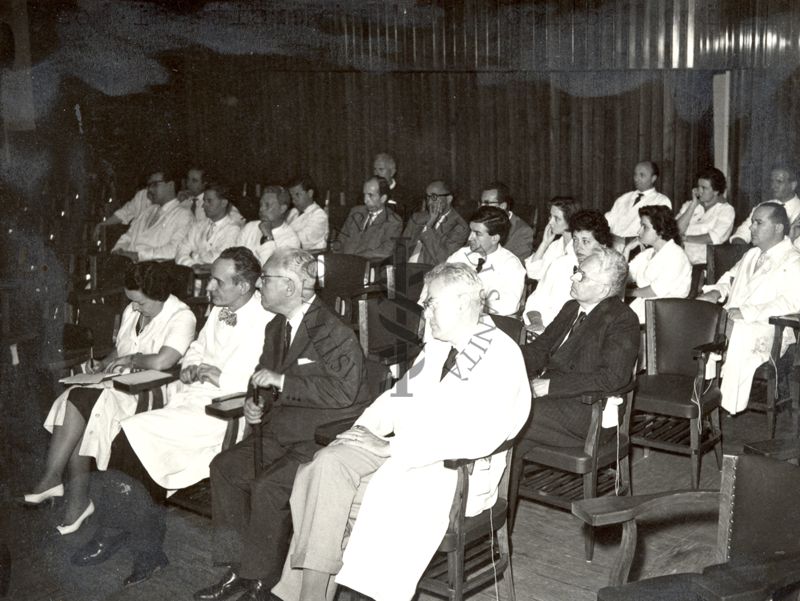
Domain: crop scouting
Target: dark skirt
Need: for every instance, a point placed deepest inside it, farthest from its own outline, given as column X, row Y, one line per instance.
column 83, row 399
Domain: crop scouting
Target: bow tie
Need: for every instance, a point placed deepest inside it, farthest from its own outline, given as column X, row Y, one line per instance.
column 228, row 316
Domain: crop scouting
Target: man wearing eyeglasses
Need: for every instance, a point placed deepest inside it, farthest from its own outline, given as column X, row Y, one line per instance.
column 315, row 365
column 520, row 237
column 437, row 232
column 591, row 346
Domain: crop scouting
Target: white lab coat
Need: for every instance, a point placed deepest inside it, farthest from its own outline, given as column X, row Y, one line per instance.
column 502, row 275
column 623, row 218
column 311, row 226
column 553, row 288
column 250, row 237
column 173, row 327
column 668, row 272
column 177, row 443
column 482, row 402
column 772, row 290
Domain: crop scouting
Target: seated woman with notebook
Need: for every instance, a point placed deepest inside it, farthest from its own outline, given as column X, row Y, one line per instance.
column 155, row 331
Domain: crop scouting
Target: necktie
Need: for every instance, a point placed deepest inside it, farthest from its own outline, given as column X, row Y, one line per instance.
column 154, row 217
column 287, row 339
column 369, row 221
column 210, row 231
column 638, row 198
column 479, row 267
column 228, row 316
column 449, row 363
column 578, row 321
column 762, row 258
column 194, row 205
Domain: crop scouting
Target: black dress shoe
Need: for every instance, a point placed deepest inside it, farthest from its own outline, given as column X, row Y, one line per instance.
column 258, row 591
column 230, row 584
column 145, row 566
column 99, row 548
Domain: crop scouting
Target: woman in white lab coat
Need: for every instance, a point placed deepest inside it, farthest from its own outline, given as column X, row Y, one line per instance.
column 155, row 331
column 662, row 270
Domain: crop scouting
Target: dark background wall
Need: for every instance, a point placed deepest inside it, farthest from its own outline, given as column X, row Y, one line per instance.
column 551, row 97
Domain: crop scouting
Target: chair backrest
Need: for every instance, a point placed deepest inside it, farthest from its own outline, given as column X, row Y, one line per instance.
column 721, row 257
column 674, row 326
column 389, row 329
column 510, row 326
column 341, row 273
column 758, row 515
column 404, row 279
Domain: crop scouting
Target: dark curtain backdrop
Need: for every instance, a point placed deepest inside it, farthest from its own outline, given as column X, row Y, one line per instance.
column 765, row 123
column 543, row 134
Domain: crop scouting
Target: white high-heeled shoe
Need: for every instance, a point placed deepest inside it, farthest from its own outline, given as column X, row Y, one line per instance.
column 62, row 530
column 50, row 493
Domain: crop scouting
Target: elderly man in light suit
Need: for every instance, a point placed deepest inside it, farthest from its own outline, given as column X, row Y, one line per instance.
column 765, row 282
column 465, row 395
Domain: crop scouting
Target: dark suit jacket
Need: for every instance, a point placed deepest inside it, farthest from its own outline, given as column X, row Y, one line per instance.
column 325, row 375
column 402, row 201
column 598, row 356
column 520, row 238
column 437, row 243
column 377, row 241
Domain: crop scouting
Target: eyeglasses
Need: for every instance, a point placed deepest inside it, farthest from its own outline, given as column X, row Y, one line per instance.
column 436, row 196
column 577, row 271
column 488, row 203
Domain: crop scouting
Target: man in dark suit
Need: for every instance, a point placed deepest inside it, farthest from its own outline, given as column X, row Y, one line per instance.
column 316, row 366
column 591, row 345
column 400, row 200
column 520, row 237
column 437, row 232
column 372, row 229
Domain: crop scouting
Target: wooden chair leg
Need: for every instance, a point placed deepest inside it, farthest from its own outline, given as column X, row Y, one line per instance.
column 694, row 436
column 716, row 428
column 772, row 395
column 505, row 550
column 625, row 475
column 589, row 492
column 455, row 572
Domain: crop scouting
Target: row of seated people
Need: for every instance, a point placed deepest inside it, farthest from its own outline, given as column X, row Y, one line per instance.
column 497, row 238
column 283, row 528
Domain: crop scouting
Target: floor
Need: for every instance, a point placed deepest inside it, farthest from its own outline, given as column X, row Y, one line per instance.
column 548, row 548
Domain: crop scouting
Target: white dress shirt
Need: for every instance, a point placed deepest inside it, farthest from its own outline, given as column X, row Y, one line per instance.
column 200, row 214
column 623, row 218
column 134, row 207
column 159, row 240
column 311, row 226
column 503, row 278
column 206, row 240
column 717, row 222
column 283, row 237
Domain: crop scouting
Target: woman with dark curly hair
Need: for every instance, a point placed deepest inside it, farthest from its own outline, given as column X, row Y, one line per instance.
column 155, row 331
column 662, row 269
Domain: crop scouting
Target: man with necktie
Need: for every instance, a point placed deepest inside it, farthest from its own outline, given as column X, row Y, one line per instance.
column 623, row 218
column 591, row 345
column 316, row 365
column 765, row 282
column 464, row 396
column 208, row 238
column 372, row 229
column 501, row 272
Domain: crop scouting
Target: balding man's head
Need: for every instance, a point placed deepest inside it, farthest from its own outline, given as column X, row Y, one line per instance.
column 454, row 300
column 384, row 166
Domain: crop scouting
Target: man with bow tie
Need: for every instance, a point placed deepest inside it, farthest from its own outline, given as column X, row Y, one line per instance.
column 315, row 365
column 171, row 448
column 372, row 229
column 765, row 282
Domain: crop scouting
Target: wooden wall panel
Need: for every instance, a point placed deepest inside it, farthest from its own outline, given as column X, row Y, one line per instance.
column 765, row 120
column 542, row 135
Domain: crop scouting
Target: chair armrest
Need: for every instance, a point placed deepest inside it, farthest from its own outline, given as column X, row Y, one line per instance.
column 701, row 350
column 590, row 398
column 791, row 320
column 230, row 406
column 326, row 433
column 171, row 375
column 603, row 511
column 454, row 464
